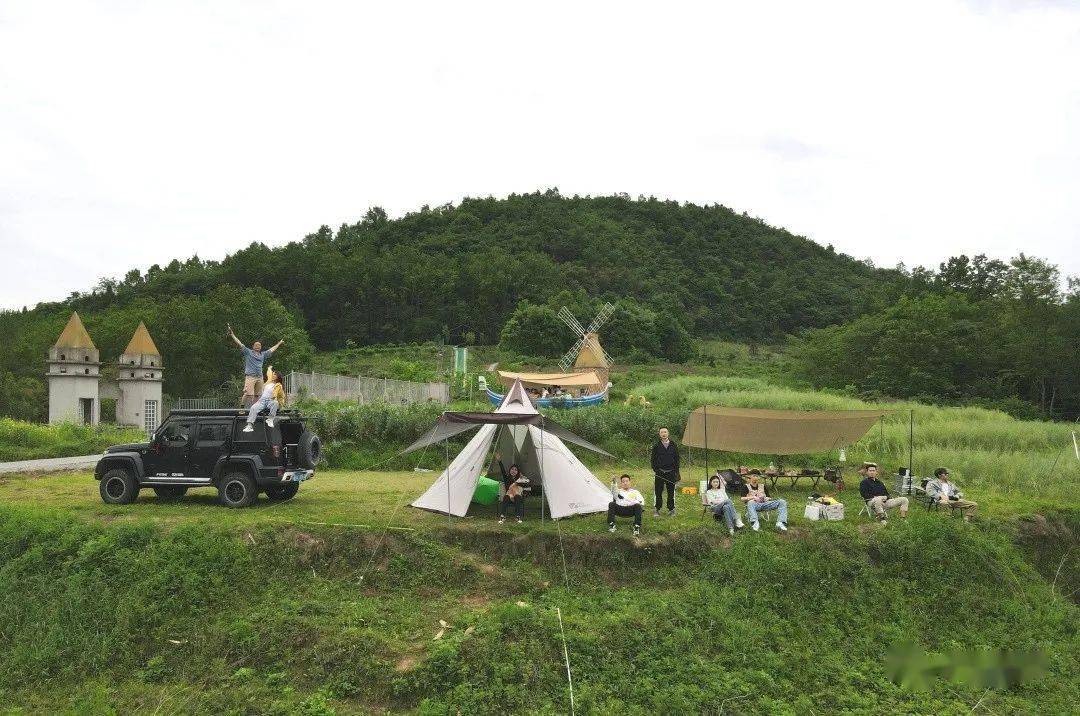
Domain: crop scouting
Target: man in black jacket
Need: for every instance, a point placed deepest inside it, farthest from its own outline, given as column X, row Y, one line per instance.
column 876, row 495
column 665, row 465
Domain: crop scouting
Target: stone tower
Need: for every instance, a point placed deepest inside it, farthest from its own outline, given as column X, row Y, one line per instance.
column 74, row 372
column 139, row 377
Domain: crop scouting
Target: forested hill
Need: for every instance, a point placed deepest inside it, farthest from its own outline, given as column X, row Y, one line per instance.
column 459, row 271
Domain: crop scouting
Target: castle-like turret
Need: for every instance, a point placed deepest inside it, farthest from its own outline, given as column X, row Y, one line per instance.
column 74, row 372
column 139, row 377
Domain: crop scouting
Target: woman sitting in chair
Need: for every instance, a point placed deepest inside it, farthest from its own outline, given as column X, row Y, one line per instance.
column 718, row 502
column 513, row 490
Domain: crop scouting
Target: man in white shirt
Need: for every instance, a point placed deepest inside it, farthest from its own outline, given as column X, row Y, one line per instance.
column 627, row 502
column 944, row 491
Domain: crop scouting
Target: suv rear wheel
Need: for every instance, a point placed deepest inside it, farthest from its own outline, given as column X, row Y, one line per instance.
column 283, row 492
column 118, row 487
column 237, row 489
column 170, row 492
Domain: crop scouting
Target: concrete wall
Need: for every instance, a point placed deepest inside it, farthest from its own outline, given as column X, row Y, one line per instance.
column 66, row 390
column 133, row 396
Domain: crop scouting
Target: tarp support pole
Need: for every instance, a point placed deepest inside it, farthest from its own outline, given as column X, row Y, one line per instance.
column 706, row 409
column 910, row 442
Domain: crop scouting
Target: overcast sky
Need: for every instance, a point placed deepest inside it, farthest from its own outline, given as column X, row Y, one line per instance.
column 132, row 133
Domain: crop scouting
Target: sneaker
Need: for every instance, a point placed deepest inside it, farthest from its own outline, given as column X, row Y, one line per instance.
column 637, row 530
column 656, row 513
column 756, row 526
column 781, row 526
column 739, row 524
column 884, row 522
column 611, row 527
column 501, row 520
column 269, row 422
column 731, row 532
column 248, row 429
column 671, row 512
column 519, row 520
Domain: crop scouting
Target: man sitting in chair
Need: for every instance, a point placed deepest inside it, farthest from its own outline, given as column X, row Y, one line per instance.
column 627, row 503
column 876, row 495
column 757, row 500
column 943, row 491
column 718, row 502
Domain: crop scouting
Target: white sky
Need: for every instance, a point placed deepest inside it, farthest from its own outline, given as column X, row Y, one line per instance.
column 132, row 133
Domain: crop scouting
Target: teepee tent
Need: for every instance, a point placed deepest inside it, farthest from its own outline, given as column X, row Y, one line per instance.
column 524, row 436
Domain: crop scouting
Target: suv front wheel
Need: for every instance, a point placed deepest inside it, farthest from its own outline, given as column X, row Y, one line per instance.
column 118, row 487
column 237, row 489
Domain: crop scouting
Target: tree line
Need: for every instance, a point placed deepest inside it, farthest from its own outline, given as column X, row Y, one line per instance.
column 496, row 271
column 976, row 330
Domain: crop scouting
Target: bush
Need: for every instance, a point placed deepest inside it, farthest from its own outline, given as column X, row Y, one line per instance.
column 31, row 441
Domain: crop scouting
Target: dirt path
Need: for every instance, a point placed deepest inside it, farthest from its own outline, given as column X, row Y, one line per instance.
column 53, row 464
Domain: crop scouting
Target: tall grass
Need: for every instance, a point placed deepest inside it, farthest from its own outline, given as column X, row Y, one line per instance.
column 20, row 440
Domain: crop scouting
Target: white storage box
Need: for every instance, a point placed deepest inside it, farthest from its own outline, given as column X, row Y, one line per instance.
column 816, row 511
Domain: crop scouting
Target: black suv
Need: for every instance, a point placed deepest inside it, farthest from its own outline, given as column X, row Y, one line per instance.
column 209, row 448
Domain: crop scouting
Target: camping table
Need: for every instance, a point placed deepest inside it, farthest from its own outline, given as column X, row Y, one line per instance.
column 815, row 475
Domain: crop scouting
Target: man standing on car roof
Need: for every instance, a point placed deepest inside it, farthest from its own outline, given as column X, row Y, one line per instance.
column 254, row 358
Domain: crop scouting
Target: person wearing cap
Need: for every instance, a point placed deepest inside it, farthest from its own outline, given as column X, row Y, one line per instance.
column 944, row 491
column 876, row 495
column 758, row 500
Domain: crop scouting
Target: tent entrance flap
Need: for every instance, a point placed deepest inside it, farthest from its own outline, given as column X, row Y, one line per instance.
column 776, row 432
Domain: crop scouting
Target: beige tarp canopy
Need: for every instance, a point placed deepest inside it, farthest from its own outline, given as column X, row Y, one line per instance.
column 581, row 379
column 776, row 432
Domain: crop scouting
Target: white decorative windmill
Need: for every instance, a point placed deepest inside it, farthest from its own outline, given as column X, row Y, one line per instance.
column 587, row 351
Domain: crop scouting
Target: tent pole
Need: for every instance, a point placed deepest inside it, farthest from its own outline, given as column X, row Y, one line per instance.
column 448, row 476
column 543, row 485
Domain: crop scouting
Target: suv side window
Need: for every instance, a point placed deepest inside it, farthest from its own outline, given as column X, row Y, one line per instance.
column 177, row 433
column 213, row 433
column 258, row 435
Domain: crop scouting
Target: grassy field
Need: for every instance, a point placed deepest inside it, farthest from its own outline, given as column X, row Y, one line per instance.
column 314, row 606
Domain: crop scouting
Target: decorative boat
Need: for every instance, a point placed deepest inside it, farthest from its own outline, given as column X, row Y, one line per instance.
column 556, row 401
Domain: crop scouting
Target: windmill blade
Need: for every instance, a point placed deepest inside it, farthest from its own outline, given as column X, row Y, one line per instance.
column 569, row 319
column 572, row 354
column 601, row 318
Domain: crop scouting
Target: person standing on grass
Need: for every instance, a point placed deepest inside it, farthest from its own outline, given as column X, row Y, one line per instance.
column 720, row 504
column 254, row 358
column 758, row 500
column 626, row 502
column 513, row 490
column 271, row 398
column 944, row 491
column 665, row 466
column 876, row 495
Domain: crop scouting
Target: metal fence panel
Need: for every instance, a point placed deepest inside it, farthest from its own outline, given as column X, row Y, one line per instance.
column 364, row 390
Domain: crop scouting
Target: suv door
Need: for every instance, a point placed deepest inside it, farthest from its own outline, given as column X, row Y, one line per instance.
column 172, row 448
column 210, row 444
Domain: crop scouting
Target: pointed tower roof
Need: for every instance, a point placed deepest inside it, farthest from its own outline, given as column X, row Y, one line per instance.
column 142, row 343
column 75, row 335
